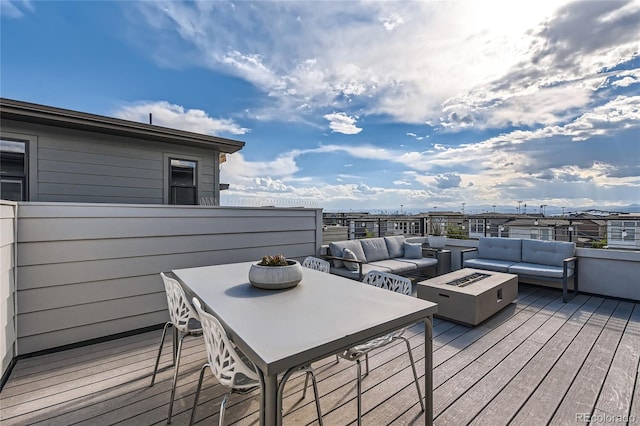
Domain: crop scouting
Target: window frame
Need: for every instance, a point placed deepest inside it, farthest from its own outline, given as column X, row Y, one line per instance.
column 166, row 175
column 30, row 185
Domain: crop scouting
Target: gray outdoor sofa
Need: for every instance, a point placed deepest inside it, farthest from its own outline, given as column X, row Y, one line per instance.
column 386, row 254
column 550, row 263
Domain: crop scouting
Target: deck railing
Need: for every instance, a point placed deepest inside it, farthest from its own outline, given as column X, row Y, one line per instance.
column 92, row 270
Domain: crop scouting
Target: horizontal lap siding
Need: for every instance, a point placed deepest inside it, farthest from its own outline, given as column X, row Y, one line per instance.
column 7, row 284
column 78, row 166
column 90, row 270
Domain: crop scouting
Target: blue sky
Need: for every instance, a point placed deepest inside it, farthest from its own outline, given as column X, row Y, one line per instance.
column 361, row 105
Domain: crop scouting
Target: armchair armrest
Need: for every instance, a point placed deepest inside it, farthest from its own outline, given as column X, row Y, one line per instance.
column 462, row 255
column 344, row 260
column 565, row 277
column 358, row 262
column 430, row 249
column 565, row 265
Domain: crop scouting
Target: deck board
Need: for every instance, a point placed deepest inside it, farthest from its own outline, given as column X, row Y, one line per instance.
column 555, row 335
column 537, row 361
column 544, row 401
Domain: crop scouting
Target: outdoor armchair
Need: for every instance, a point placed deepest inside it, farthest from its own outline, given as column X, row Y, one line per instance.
column 399, row 285
column 185, row 322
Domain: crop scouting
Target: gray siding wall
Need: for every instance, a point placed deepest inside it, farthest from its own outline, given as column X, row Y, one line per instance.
column 7, row 282
column 79, row 166
column 91, row 270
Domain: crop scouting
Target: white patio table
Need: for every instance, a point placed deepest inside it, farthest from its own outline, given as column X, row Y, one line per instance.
column 280, row 330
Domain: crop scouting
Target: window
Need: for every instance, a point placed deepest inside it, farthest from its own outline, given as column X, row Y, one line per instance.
column 476, row 226
column 542, row 234
column 624, row 231
column 183, row 188
column 13, row 170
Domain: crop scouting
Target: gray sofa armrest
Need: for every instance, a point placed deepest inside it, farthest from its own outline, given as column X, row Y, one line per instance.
column 462, row 255
column 565, row 277
column 358, row 262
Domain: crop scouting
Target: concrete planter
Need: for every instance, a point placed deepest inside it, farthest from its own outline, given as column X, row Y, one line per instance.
column 276, row 277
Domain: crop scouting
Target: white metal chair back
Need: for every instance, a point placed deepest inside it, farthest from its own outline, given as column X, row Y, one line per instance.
column 227, row 365
column 317, row 264
column 180, row 310
column 388, row 282
column 399, row 285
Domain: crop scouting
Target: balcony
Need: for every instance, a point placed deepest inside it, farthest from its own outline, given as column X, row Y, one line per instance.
column 85, row 271
column 535, row 362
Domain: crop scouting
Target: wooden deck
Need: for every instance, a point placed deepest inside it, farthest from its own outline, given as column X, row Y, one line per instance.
column 538, row 361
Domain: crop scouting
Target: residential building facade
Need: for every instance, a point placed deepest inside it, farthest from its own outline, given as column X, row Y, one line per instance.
column 53, row 154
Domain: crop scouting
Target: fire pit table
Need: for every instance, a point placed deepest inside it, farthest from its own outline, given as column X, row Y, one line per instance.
column 470, row 295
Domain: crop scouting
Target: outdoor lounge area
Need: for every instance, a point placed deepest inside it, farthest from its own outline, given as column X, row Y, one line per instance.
column 83, row 271
column 537, row 361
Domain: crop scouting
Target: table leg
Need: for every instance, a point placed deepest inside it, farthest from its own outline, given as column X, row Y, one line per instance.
column 269, row 415
column 428, row 371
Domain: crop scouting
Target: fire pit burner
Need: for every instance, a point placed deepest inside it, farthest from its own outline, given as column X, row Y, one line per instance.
column 467, row 279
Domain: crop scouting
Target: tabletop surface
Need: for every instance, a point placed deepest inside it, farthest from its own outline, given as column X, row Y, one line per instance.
column 281, row 329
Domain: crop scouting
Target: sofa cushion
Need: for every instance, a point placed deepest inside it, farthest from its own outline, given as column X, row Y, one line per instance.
column 412, row 250
column 348, row 254
column 423, row 262
column 394, row 246
column 375, row 249
column 546, row 252
column 489, row 264
column 497, row 248
column 337, row 247
column 395, row 266
column 538, row 270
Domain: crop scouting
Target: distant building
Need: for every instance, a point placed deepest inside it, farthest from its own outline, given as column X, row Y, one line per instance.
column 488, row 224
column 539, row 228
column 623, row 231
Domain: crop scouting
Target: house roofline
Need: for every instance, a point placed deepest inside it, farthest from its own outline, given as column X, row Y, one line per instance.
column 11, row 109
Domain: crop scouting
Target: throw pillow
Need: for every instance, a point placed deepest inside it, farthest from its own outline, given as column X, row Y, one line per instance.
column 412, row 250
column 348, row 254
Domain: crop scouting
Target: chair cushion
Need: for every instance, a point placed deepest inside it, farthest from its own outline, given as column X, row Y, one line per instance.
column 348, row 254
column 412, row 250
column 375, row 249
column 423, row 262
column 497, row 248
column 395, row 266
column 337, row 247
column 395, row 246
column 489, row 264
column 547, row 252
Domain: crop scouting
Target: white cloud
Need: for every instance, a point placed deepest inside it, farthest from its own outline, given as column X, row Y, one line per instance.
column 341, row 123
column 403, row 68
column 391, row 22
column 239, row 170
column 177, row 117
column 15, row 9
column 548, row 66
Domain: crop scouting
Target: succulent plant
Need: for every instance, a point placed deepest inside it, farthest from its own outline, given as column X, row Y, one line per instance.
column 277, row 260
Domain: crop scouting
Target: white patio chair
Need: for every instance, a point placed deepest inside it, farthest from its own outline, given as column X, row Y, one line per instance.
column 233, row 369
column 316, row 263
column 185, row 322
column 319, row 265
column 399, row 285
